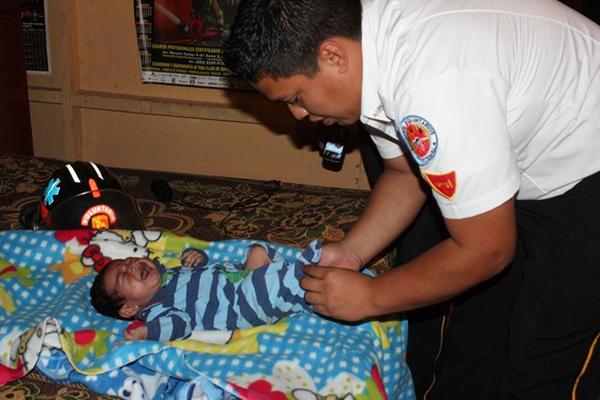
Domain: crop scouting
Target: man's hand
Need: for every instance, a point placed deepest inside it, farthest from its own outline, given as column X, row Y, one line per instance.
column 136, row 331
column 339, row 292
column 341, row 256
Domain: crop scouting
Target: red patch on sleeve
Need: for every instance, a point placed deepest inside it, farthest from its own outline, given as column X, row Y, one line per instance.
column 444, row 184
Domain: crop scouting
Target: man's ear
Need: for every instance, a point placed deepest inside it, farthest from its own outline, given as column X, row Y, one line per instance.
column 334, row 52
column 128, row 310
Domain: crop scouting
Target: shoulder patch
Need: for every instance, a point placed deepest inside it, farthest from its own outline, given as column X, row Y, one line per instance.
column 444, row 184
column 420, row 137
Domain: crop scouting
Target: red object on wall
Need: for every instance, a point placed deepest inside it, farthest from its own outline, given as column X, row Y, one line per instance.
column 15, row 123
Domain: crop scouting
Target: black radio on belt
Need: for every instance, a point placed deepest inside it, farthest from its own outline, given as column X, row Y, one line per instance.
column 334, row 149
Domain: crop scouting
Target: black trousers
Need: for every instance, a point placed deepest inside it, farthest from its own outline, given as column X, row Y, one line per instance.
column 530, row 332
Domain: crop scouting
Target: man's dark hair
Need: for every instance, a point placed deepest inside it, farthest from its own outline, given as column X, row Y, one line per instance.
column 281, row 38
column 105, row 303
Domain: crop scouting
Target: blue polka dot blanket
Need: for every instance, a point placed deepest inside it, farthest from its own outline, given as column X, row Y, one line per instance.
column 47, row 322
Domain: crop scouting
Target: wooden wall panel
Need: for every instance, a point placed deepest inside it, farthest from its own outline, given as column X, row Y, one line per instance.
column 108, row 62
column 46, row 122
column 219, row 148
column 94, row 105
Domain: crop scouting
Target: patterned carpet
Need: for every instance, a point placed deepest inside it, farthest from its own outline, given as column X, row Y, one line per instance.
column 210, row 208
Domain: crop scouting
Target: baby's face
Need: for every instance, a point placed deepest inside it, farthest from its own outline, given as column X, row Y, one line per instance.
column 134, row 279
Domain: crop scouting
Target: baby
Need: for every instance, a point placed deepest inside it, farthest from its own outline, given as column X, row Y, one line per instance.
column 174, row 301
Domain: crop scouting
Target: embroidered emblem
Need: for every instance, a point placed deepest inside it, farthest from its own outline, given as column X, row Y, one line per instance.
column 420, row 137
column 444, row 184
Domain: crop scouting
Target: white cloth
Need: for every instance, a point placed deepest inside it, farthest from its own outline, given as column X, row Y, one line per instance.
column 506, row 91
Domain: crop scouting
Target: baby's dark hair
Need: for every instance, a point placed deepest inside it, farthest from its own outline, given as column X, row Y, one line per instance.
column 105, row 303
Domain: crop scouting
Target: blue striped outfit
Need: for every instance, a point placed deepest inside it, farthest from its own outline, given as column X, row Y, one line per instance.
column 226, row 296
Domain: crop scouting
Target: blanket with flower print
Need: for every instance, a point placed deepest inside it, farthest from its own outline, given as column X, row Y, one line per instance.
column 48, row 323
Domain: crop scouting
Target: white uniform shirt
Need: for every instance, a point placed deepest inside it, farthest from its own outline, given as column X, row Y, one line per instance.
column 494, row 96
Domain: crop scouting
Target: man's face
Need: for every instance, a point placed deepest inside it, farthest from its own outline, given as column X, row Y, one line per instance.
column 134, row 279
column 327, row 97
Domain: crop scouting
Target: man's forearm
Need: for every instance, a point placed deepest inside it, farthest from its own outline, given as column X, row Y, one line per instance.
column 478, row 248
column 394, row 203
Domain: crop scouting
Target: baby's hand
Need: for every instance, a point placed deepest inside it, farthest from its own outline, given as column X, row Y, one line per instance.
column 136, row 331
column 193, row 258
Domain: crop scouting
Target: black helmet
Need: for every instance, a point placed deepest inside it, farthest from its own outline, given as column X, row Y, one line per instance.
column 83, row 195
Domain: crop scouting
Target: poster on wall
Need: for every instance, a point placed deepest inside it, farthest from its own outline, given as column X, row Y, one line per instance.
column 35, row 36
column 180, row 42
